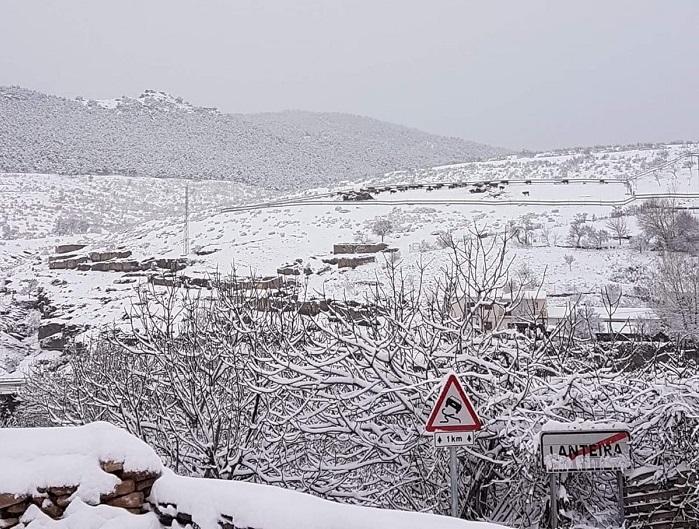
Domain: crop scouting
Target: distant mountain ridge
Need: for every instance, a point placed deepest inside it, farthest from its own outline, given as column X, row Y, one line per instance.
column 159, row 135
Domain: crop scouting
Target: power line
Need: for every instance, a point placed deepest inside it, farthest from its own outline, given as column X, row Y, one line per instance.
column 659, row 167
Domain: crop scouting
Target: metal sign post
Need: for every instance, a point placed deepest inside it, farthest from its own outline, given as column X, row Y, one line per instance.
column 620, row 492
column 453, row 421
column 553, row 504
column 454, row 476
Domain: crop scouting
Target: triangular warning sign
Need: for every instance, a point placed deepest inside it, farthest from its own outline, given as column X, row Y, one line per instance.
column 453, row 411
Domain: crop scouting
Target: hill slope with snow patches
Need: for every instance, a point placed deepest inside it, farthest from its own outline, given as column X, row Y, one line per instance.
column 157, row 135
column 297, row 232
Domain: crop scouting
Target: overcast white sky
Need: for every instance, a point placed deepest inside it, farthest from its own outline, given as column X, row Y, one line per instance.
column 534, row 73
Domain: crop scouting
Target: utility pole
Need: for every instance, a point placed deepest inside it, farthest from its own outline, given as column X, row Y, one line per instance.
column 186, row 221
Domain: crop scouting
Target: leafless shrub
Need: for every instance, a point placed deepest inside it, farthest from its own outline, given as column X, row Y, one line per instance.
column 568, row 259
column 578, row 229
column 618, row 227
column 667, row 227
column 382, row 227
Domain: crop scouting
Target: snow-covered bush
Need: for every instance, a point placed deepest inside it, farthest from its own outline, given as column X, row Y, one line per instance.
column 263, row 388
column 667, row 227
column 674, row 293
column 70, row 226
column 578, row 229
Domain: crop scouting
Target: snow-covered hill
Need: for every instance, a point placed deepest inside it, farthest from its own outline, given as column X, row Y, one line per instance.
column 144, row 217
column 158, row 135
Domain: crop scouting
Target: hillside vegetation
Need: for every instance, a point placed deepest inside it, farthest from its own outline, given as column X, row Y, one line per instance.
column 158, row 135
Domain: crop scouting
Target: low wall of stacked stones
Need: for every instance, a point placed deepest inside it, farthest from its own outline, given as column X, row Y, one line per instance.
column 130, row 494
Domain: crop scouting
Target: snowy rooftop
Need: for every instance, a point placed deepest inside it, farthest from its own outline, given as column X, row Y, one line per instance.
column 620, row 314
column 526, row 295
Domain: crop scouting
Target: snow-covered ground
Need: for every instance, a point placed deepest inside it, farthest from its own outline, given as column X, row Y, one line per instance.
column 40, row 206
column 145, row 217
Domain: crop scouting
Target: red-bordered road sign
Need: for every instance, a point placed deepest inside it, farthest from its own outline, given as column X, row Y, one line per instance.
column 453, row 411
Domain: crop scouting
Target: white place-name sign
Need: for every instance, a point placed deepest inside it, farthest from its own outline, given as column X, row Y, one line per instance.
column 585, row 450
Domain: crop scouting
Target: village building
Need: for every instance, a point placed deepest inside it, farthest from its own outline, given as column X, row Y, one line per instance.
column 530, row 309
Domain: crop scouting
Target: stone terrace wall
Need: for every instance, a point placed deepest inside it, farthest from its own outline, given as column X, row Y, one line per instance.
column 130, row 494
column 351, row 247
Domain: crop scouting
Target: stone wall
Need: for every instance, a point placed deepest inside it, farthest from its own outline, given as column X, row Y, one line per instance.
column 352, row 247
column 130, row 494
column 107, row 256
column 113, row 261
column 68, row 248
column 60, row 472
column 168, row 513
column 111, row 266
column 354, row 262
column 66, row 264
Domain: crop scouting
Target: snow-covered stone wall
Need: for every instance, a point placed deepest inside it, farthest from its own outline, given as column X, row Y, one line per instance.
column 99, row 476
column 49, row 468
column 220, row 504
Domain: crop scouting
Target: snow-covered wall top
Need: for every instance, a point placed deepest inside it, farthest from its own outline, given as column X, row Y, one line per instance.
column 162, row 136
column 72, row 468
column 213, row 503
column 37, row 458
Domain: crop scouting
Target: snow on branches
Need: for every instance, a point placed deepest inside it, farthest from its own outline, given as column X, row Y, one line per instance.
column 331, row 398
